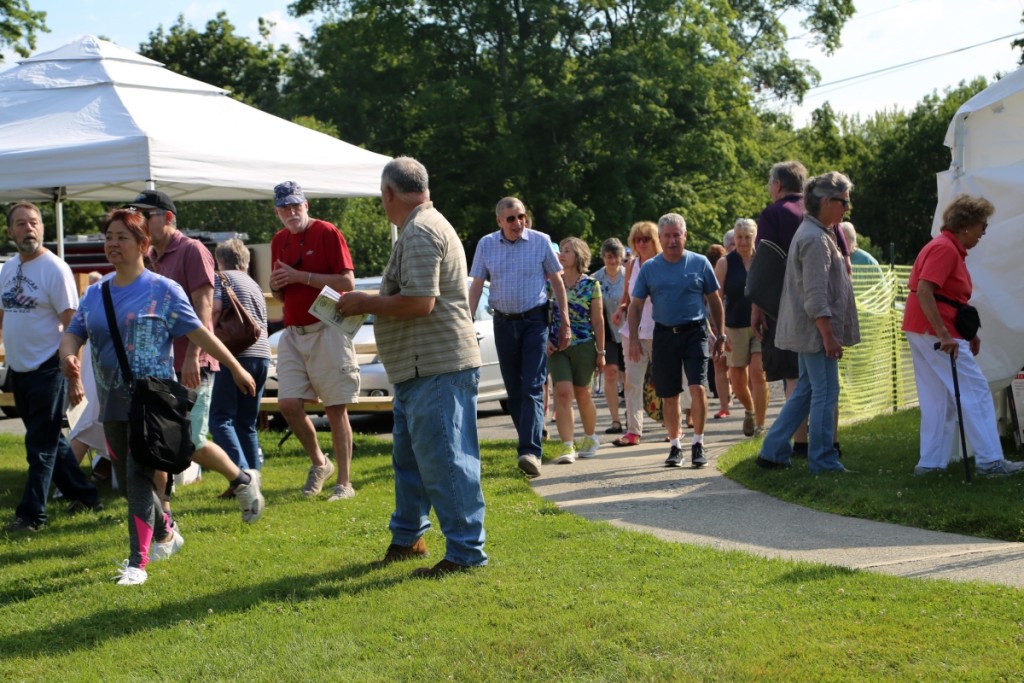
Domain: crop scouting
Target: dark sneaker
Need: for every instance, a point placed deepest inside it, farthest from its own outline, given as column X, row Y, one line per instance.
column 76, row 506
column 698, row 458
column 20, row 524
column 771, row 464
column 442, row 568
column 675, row 457
column 748, row 423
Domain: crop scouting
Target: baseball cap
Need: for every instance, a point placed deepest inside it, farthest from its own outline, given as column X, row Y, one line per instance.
column 153, row 199
column 288, row 193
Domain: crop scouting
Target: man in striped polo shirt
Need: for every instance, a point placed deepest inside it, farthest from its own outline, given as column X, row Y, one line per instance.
column 427, row 342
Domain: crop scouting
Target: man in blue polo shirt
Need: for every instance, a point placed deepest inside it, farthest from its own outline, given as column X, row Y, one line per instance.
column 678, row 283
column 519, row 262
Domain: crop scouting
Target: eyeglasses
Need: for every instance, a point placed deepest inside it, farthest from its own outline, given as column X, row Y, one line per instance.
column 512, row 219
column 842, row 200
column 639, row 239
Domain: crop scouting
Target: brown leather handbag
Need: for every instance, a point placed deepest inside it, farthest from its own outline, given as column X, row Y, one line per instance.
column 236, row 329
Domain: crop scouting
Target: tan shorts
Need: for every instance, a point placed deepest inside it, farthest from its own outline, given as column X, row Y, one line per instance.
column 744, row 343
column 319, row 364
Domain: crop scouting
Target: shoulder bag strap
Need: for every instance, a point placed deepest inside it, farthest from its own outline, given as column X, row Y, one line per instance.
column 947, row 300
column 115, row 335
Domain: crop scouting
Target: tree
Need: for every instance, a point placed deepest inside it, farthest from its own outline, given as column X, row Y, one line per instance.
column 252, row 72
column 597, row 113
column 19, row 24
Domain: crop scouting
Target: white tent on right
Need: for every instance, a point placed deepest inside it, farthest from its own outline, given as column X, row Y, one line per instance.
column 986, row 138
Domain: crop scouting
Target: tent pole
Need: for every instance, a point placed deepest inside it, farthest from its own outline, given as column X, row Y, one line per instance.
column 58, row 209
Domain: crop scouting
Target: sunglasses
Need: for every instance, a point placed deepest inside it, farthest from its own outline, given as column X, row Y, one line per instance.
column 641, row 238
column 845, row 202
column 512, row 219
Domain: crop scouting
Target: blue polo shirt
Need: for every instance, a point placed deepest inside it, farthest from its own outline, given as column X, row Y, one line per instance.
column 676, row 289
column 518, row 271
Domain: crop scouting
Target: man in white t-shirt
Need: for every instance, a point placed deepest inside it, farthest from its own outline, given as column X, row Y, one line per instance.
column 37, row 299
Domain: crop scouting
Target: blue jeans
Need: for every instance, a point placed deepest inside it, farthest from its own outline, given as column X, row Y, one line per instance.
column 817, row 394
column 522, row 356
column 39, row 397
column 436, row 458
column 233, row 414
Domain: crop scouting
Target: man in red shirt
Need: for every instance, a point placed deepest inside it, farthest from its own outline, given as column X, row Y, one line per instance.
column 313, row 359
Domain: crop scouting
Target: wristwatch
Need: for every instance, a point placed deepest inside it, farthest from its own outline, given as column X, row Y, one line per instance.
column 721, row 337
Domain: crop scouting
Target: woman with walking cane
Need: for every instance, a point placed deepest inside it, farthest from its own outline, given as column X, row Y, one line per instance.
column 940, row 287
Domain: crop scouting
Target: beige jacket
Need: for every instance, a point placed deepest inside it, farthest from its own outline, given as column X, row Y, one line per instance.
column 816, row 285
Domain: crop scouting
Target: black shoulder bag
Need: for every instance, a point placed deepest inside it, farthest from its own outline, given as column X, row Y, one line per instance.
column 967, row 321
column 159, row 421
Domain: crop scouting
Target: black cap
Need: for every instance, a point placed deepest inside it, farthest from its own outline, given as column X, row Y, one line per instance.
column 153, row 199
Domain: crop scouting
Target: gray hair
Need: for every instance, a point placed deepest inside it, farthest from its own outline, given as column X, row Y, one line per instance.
column 22, row 205
column 825, row 186
column 851, row 235
column 233, row 255
column 578, row 247
column 614, row 246
column 791, row 175
column 508, row 203
column 405, row 175
column 729, row 238
column 672, row 219
column 747, row 225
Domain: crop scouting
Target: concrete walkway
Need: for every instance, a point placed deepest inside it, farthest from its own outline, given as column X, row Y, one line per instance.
column 630, row 487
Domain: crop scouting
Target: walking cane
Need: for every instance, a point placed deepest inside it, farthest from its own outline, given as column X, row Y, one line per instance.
column 959, row 413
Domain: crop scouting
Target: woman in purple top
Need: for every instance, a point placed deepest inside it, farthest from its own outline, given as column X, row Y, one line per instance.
column 151, row 311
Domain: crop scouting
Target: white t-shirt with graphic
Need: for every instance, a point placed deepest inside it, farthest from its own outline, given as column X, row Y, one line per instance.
column 33, row 294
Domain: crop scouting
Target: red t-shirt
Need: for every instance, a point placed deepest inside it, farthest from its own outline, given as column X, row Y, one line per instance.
column 320, row 248
column 943, row 262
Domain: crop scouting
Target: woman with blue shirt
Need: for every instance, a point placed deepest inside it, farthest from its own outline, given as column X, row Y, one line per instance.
column 151, row 311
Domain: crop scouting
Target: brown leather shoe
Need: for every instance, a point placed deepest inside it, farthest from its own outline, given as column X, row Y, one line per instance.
column 400, row 553
column 440, row 569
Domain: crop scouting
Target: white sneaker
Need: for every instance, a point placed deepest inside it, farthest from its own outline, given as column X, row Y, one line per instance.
column 587, row 446
column 1000, row 468
column 162, row 551
column 317, row 477
column 250, row 499
column 342, row 492
column 529, row 464
column 130, row 576
column 567, row 456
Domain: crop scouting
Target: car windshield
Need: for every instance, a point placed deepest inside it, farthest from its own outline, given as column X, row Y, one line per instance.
column 370, row 286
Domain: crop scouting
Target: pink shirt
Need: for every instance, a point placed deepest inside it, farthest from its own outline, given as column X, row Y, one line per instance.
column 943, row 262
column 189, row 263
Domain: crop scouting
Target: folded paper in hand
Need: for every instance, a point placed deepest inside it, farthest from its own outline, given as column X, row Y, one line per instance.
column 324, row 308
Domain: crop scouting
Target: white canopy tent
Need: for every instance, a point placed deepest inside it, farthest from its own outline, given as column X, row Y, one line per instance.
column 94, row 121
column 987, row 141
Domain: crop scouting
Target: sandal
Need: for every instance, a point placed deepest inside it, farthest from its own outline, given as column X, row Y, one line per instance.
column 616, row 428
column 627, row 439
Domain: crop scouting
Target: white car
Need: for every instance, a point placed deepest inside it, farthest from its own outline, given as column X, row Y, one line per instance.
column 374, row 381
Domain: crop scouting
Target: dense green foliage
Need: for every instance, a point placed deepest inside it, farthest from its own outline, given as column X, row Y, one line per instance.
column 597, row 114
column 19, row 24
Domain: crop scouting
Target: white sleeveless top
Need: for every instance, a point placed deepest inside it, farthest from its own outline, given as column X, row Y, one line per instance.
column 647, row 317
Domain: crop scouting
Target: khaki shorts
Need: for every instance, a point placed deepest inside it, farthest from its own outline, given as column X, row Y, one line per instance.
column 744, row 343
column 319, row 364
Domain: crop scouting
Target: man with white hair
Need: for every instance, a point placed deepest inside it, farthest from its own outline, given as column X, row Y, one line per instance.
column 679, row 284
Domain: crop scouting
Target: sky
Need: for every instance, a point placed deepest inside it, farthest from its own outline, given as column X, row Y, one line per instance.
column 882, row 34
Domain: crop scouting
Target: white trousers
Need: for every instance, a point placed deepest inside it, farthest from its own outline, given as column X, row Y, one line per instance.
column 934, row 377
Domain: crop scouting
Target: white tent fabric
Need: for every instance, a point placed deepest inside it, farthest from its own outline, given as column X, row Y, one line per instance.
column 986, row 138
column 94, row 121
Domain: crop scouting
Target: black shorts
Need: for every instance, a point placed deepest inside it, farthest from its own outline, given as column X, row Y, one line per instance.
column 778, row 363
column 686, row 348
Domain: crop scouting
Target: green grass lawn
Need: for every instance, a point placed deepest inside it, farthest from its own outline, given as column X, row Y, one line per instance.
column 882, row 452
column 293, row 598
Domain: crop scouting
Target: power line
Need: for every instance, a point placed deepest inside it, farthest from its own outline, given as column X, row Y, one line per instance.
column 916, row 61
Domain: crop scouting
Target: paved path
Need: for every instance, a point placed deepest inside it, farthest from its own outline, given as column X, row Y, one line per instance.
column 631, row 488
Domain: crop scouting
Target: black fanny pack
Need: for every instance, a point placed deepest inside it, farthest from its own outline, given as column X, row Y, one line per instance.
column 967, row 320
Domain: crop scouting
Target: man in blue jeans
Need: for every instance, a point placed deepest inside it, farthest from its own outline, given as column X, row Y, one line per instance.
column 427, row 342
column 37, row 299
column 519, row 262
